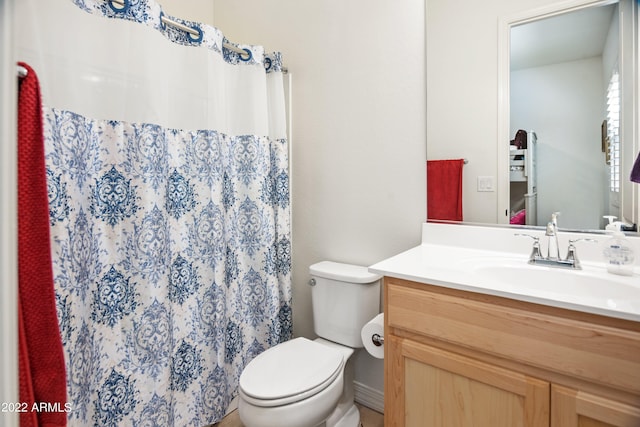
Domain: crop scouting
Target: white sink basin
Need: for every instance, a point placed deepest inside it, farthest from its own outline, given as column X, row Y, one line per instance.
column 491, row 261
column 580, row 286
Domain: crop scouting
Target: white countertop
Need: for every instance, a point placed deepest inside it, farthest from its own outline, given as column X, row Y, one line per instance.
column 452, row 266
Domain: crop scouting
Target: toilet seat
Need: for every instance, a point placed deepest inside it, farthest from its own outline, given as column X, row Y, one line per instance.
column 290, row 372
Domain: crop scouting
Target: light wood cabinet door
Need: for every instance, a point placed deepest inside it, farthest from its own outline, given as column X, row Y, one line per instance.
column 436, row 388
column 573, row 408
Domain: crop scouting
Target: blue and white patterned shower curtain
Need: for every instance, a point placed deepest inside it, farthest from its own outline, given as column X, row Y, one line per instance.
column 171, row 249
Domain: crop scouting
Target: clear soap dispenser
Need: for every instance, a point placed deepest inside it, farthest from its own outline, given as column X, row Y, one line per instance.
column 618, row 252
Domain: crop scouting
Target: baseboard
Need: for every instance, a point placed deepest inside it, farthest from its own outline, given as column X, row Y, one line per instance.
column 369, row 397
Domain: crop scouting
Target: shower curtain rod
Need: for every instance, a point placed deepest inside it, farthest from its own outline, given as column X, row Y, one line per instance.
column 183, row 27
column 194, row 32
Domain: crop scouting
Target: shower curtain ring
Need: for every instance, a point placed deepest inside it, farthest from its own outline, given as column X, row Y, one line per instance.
column 123, row 5
column 195, row 38
column 246, row 56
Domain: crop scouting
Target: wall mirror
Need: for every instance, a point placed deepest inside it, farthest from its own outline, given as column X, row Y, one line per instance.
column 569, row 81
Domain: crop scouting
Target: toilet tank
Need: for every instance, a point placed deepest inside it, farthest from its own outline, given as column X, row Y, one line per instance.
column 344, row 297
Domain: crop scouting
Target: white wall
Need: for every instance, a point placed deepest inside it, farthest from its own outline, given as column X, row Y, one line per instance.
column 193, row 10
column 564, row 104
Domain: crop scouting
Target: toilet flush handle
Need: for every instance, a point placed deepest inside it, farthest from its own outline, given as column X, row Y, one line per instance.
column 312, row 282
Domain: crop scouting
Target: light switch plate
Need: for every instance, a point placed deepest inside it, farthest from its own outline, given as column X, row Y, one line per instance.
column 486, row 183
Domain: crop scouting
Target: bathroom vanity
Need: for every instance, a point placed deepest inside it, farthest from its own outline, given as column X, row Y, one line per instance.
column 463, row 349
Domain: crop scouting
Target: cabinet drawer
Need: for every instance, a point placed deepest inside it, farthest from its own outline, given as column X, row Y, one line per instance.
column 601, row 354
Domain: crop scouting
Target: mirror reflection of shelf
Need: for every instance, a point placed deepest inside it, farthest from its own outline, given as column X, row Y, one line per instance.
column 522, row 174
column 517, row 169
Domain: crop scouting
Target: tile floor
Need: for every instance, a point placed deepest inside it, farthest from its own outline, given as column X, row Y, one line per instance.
column 368, row 418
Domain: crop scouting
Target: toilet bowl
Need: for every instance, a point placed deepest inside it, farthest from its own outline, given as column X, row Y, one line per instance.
column 295, row 384
column 305, row 383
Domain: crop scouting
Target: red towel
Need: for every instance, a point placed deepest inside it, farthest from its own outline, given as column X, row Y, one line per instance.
column 41, row 359
column 444, row 189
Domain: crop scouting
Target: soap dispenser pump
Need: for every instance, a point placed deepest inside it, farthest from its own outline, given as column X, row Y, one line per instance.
column 614, row 225
column 618, row 252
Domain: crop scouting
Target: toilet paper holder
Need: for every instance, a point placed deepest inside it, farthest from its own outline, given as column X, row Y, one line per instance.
column 377, row 340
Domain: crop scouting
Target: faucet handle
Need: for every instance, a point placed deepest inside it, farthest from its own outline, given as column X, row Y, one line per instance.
column 572, row 255
column 536, row 240
column 526, row 235
column 572, row 241
column 535, row 252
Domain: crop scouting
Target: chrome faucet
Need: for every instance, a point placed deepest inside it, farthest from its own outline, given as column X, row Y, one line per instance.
column 553, row 250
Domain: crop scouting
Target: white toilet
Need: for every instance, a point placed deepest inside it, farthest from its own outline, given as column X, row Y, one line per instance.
column 304, row 383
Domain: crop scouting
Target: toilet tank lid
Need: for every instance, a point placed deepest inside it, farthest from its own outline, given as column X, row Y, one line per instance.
column 343, row 272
